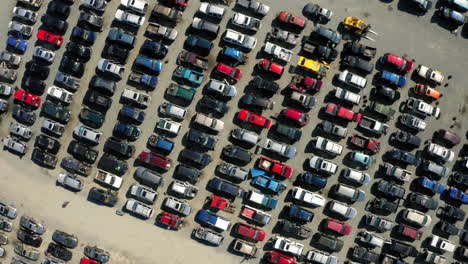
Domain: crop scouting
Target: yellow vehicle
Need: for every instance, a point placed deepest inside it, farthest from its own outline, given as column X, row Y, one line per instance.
column 313, row 66
column 358, row 27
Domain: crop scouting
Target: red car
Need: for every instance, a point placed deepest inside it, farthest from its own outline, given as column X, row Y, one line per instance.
column 170, row 220
column 409, row 232
column 88, row 261
column 278, row 258
column 155, row 160
column 28, row 98
column 253, row 118
column 180, row 4
column 371, row 145
column 271, row 67
column 343, row 112
column 249, row 232
column 399, row 64
column 338, row 226
column 291, row 19
column 275, row 167
column 297, row 116
column 233, row 73
column 49, row 37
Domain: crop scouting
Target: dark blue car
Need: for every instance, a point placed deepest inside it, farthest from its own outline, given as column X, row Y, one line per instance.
column 405, row 157
column 148, row 65
column 83, row 36
column 131, row 114
column 313, row 180
column 154, row 49
column 198, row 44
column 225, row 188
column 233, row 56
column 300, row 214
column 17, row 44
column 126, row 131
column 161, row 143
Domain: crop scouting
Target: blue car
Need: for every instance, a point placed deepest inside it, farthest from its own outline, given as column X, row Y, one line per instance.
column 233, row 56
column 17, row 44
column 432, row 185
column 212, row 220
column 405, row 157
column 151, row 66
column 161, row 143
column 126, row 131
column 313, row 179
column 269, row 183
column 224, row 188
column 458, row 195
column 300, row 214
column 131, row 114
column 393, row 78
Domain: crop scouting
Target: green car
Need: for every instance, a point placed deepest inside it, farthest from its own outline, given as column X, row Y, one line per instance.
column 384, row 110
column 186, row 94
column 106, row 197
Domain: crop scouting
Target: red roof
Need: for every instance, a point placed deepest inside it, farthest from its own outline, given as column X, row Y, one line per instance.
column 278, row 258
column 49, row 37
column 232, row 72
column 338, row 226
column 250, row 232
column 270, row 66
column 31, row 99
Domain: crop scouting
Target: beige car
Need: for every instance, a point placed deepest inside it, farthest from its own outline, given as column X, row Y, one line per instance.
column 246, row 248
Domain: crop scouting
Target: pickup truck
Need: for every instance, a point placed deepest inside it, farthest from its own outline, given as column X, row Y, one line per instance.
column 7, row 74
column 383, row 110
column 314, row 47
column 288, row 246
column 25, row 30
column 347, row 96
column 255, row 215
column 278, row 52
column 139, row 208
column 139, row 99
column 396, row 172
column 173, row 110
column 328, row 146
column 283, row 149
column 306, row 101
column 373, row 125
column 360, row 49
column 73, row 165
column 421, row 107
column 254, row 6
column 177, row 205
column 275, row 167
column 186, row 94
column 184, row 189
column 109, row 67
column 246, row 22
column 186, row 74
column 212, row 220
column 283, row 36
column 434, row 76
column 192, row 59
column 263, row 200
column 291, row 229
column 234, row 172
column 148, row 81
column 363, row 142
column 155, row 30
column 32, row 3
column 168, row 13
column 269, row 183
column 53, row 127
column 108, row 179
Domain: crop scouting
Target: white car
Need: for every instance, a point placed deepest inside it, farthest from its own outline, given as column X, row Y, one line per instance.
column 347, row 96
column 328, row 146
column 98, row 5
column 308, row 197
column 169, row 126
column 20, row 28
column 429, row 74
column 247, row 22
column 129, row 18
column 283, row 149
column 43, row 54
column 137, row 6
column 107, row 66
column 413, row 122
column 442, row 244
column 321, row 258
column 288, row 246
column 184, row 189
column 209, row 122
column 87, row 133
column 440, row 152
column 245, row 135
column 70, row 181
column 323, row 165
column 416, row 217
column 421, row 107
column 211, row 10
column 342, row 209
column 19, row 130
column 24, row 14
column 139, row 208
column 221, row 88
column 278, row 52
column 15, row 146
column 356, row 176
column 239, row 39
column 60, row 94
column 53, row 127
column 352, row 79
column 179, row 206
column 143, row 193
column 5, row 90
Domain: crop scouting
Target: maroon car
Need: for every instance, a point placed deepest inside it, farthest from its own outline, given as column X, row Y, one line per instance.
column 154, row 160
column 448, row 137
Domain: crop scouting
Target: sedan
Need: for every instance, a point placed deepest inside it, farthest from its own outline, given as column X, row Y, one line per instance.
column 90, row 20
column 27, row 98
column 126, row 131
column 233, row 74
column 58, row 8
column 17, row 45
column 58, row 252
column 83, row 36
column 72, row 67
column 254, row 119
column 54, row 24
column 37, row 70
column 429, row 203
column 97, row 5
column 51, row 38
column 23, row 116
column 397, row 63
column 292, row 20
column 255, row 100
column 43, row 54
column 65, row 239
column 29, row 238
column 32, row 225
column 80, row 52
column 270, row 67
column 458, row 195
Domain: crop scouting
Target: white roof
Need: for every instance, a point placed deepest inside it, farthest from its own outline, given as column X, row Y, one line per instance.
column 256, row 197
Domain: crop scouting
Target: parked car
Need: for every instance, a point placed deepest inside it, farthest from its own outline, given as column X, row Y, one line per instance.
column 397, row 63
column 390, row 190
column 238, row 39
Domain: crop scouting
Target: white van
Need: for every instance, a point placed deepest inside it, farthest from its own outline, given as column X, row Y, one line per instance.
column 342, row 209
column 349, row 193
column 245, row 136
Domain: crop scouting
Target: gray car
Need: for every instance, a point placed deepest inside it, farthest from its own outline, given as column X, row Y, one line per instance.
column 65, row 239
column 26, row 251
column 143, row 194
column 32, row 225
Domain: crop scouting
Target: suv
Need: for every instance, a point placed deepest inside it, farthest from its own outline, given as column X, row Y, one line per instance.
column 118, row 147
column 390, row 190
column 113, row 165
column 328, row 243
column 237, row 153
column 199, row 159
column 55, row 112
column 121, row 37
column 415, row 217
column 91, row 118
column 87, row 133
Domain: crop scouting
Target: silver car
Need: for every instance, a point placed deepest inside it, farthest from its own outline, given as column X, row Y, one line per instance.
column 31, row 224
column 143, row 193
column 20, row 130
column 14, row 146
column 26, row 251
column 70, row 181
column 43, row 54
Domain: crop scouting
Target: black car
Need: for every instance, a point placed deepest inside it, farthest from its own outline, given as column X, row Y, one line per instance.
column 54, row 24
column 198, row 44
column 386, row 94
column 106, row 197
column 97, row 101
column 66, row 81
column 314, row 47
column 404, row 156
column 197, row 158
column 360, row 64
column 91, row 21
column 37, row 70
column 154, row 49
column 55, row 112
column 365, row 255
column 126, row 131
column 47, row 144
column 58, row 8
column 29, row 238
column 71, row 66
column 382, row 205
column 33, row 85
column 201, row 139
column 390, row 190
column 59, row 252
column 85, row 37
column 453, row 213
column 65, row 239
column 422, row 6
column 237, row 153
column 91, row 118
column 80, row 52
column 82, row 152
column 73, row 165
column 118, row 147
column 291, row 229
column 312, row 179
column 113, row 165
column 327, row 36
column 23, row 115
column 257, row 101
column 43, row 158
column 102, row 85
column 131, row 115
column 401, row 249
column 187, row 173
column 448, row 228
column 406, row 139
column 327, row 243
column 213, row 104
column 459, row 179
column 263, row 84
column 115, row 53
